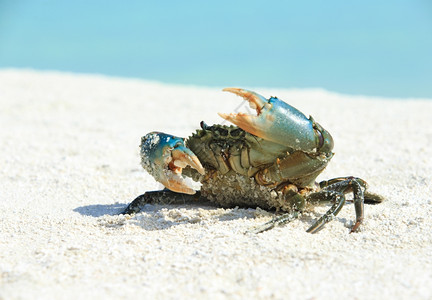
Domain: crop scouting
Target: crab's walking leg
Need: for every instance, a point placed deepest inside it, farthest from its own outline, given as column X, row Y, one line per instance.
column 335, row 190
column 339, row 200
column 165, row 197
column 277, row 221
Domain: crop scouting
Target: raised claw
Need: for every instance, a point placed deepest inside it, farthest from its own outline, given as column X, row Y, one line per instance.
column 164, row 156
column 275, row 121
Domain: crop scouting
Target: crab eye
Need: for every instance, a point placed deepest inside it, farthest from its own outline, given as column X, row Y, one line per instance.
column 203, row 125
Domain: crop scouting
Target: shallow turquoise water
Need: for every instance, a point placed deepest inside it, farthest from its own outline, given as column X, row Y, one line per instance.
column 351, row 47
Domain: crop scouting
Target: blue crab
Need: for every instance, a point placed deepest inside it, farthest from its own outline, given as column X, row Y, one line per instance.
column 269, row 160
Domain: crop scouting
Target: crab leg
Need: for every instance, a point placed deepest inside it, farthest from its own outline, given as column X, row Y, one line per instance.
column 278, row 221
column 339, row 201
column 335, row 190
column 164, row 197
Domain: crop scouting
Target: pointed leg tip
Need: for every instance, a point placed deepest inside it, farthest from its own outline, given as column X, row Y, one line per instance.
column 261, row 228
column 317, row 226
column 356, row 227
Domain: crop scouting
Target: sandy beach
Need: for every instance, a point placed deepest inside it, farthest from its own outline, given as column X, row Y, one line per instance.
column 70, row 164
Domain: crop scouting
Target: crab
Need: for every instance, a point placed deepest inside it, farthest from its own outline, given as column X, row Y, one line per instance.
column 269, row 160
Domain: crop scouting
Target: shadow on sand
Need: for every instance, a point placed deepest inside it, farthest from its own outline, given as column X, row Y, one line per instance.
column 162, row 216
column 99, row 210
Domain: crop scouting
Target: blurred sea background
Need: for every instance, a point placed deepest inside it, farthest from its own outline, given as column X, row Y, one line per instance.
column 380, row 48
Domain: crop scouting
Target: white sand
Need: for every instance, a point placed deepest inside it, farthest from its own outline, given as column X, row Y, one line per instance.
column 69, row 163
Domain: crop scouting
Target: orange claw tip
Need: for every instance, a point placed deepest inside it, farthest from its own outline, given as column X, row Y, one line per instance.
column 256, row 101
column 183, row 157
column 176, row 183
column 197, row 165
column 237, row 91
column 246, row 122
column 173, row 186
column 224, row 116
column 179, row 188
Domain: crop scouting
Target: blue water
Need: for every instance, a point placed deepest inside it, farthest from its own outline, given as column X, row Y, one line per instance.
column 368, row 47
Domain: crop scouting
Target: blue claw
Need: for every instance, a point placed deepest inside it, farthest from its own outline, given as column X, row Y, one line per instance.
column 164, row 156
column 278, row 122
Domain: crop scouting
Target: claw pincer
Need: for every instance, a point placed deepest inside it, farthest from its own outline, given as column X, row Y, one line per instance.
column 164, row 156
column 279, row 122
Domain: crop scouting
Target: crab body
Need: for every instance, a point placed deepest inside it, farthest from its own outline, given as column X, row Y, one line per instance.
column 270, row 161
column 245, row 170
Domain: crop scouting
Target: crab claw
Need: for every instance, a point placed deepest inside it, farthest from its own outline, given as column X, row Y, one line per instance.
column 164, row 156
column 275, row 121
